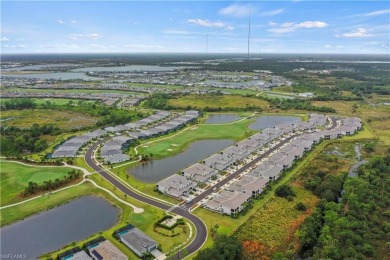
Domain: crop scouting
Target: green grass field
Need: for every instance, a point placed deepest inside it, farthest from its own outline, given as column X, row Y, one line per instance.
column 15, row 177
column 225, row 101
column 64, row 119
column 177, row 142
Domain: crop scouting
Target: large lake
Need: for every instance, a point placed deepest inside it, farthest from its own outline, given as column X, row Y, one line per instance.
column 222, row 118
column 157, row 170
column 266, row 121
column 129, row 68
column 53, row 229
column 53, row 75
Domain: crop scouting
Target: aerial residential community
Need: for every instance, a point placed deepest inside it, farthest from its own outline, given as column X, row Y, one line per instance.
column 194, row 130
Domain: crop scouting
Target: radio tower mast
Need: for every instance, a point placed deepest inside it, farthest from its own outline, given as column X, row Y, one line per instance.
column 249, row 31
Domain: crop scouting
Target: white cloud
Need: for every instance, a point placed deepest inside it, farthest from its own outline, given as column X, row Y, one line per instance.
column 60, row 21
column 375, row 13
column 237, row 10
column 73, row 21
column 287, row 24
column 270, row 23
column 312, row 24
column 92, row 36
column 273, row 12
column 380, row 12
column 206, row 23
column 327, row 46
column 282, row 30
column 229, row 28
column 357, row 33
column 4, row 39
column 290, row 27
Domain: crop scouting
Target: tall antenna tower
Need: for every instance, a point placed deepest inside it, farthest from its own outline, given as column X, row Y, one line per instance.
column 249, row 31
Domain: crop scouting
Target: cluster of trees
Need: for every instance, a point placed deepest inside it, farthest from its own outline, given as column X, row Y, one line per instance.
column 15, row 141
column 326, row 186
column 50, row 185
column 285, row 191
column 224, row 248
column 158, row 101
column 301, row 104
column 357, row 226
column 18, row 103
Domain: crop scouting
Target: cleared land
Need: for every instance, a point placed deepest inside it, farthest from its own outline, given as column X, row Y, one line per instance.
column 63, row 119
column 15, row 177
column 211, row 101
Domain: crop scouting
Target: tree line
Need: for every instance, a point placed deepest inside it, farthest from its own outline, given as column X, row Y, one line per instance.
column 50, row 185
column 15, row 141
column 358, row 225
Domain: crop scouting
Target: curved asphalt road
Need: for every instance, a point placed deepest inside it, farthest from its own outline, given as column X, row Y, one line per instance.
column 201, row 230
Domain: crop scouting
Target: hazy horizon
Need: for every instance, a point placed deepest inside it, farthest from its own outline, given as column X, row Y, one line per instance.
column 312, row 27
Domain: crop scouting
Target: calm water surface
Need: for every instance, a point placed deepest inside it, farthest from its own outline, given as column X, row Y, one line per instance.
column 157, row 170
column 129, row 68
column 266, row 121
column 53, row 229
column 222, row 118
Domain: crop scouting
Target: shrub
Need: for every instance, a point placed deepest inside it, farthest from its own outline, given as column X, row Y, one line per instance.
column 284, row 191
column 300, row 206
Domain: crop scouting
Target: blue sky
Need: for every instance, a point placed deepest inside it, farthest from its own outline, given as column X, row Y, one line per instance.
column 177, row 26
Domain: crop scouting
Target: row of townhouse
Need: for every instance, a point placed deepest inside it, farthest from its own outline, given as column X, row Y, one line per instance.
column 211, row 166
column 233, row 199
column 70, row 147
column 112, row 154
column 277, row 163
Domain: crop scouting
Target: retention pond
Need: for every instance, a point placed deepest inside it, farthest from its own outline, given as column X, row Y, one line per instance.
column 53, row 229
column 157, row 170
column 222, row 118
column 265, row 121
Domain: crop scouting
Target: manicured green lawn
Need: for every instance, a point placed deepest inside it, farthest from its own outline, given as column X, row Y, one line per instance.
column 15, row 177
column 178, row 142
column 15, row 213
